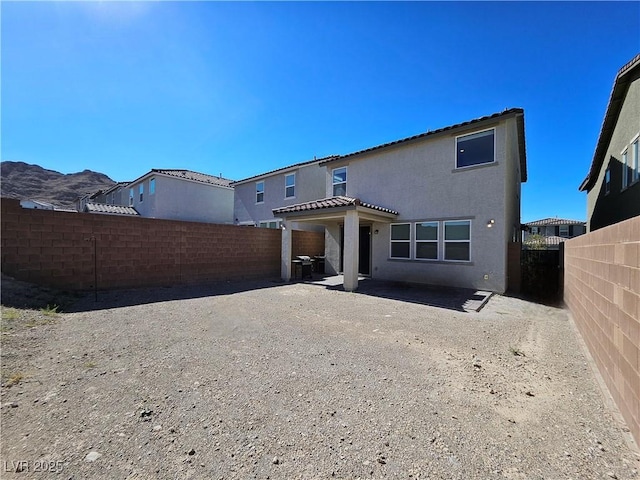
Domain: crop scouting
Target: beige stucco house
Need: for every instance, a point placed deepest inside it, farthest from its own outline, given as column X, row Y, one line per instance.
column 182, row 195
column 256, row 197
column 613, row 181
column 439, row 208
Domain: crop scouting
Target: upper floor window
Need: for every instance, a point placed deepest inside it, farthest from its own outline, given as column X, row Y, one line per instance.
column 626, row 169
column 475, row 149
column 635, row 166
column 563, row 231
column 131, row 197
column 259, row 192
column 141, row 191
column 290, row 185
column 152, row 186
column 339, row 181
column 607, row 181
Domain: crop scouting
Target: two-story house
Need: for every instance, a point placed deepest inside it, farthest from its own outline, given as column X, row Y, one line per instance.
column 182, row 195
column 256, row 197
column 613, row 181
column 553, row 231
column 440, row 207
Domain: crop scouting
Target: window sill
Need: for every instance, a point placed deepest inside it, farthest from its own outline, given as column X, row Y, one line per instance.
column 474, row 167
column 430, row 262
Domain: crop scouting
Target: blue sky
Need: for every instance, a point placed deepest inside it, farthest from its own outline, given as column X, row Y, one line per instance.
column 243, row 88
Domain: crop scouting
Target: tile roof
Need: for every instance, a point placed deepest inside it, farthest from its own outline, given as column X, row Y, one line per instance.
column 509, row 111
column 295, row 165
column 549, row 222
column 195, row 176
column 616, row 99
column 110, row 209
column 331, row 202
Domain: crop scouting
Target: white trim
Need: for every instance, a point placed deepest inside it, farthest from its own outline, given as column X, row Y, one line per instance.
column 256, row 192
column 392, row 241
column 346, row 179
column 445, row 241
column 455, row 147
column 292, row 174
column 436, row 241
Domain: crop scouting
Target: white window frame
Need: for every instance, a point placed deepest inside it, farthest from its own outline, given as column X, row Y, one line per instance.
column 392, row 241
column 625, row 166
column 445, row 241
column 334, row 183
column 459, row 137
column 131, row 196
column 292, row 186
column 259, row 192
column 274, row 223
column 635, row 160
column 141, row 192
column 152, row 186
column 436, row 241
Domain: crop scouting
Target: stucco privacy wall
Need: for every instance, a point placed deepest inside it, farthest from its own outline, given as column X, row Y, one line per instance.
column 55, row 248
column 602, row 290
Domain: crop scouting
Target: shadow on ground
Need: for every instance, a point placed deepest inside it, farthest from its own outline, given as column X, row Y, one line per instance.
column 25, row 295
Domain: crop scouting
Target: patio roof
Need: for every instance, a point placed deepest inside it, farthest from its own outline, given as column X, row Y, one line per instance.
column 339, row 203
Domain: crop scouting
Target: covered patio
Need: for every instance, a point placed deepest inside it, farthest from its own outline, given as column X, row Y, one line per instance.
column 347, row 211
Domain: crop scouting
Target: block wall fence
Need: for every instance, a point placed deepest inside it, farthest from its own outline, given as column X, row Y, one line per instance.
column 602, row 290
column 57, row 249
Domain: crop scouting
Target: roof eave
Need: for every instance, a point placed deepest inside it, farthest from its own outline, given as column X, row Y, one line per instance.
column 616, row 99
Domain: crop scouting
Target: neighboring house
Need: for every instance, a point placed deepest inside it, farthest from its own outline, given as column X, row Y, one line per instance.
column 40, row 205
column 439, row 208
column 104, row 209
column 182, row 195
column 612, row 184
column 36, row 205
column 554, row 230
column 257, row 196
column 93, row 197
column 117, row 195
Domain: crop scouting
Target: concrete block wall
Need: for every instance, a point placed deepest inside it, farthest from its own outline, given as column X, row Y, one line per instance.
column 57, row 249
column 602, row 290
column 307, row 243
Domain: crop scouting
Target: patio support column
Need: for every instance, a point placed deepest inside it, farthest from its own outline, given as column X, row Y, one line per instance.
column 285, row 255
column 351, row 248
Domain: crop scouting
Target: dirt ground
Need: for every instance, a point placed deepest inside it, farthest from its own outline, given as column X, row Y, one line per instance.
column 265, row 380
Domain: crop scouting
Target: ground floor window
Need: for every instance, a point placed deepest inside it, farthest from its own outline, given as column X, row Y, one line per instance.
column 427, row 240
column 270, row 224
column 401, row 240
column 448, row 240
column 457, row 240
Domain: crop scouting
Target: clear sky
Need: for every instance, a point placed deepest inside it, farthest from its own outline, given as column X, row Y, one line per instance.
column 244, row 88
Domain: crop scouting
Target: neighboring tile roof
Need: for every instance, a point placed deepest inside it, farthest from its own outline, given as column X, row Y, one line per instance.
column 195, row 176
column 116, row 186
column 509, row 111
column 110, row 209
column 331, row 202
column 550, row 222
column 616, row 99
column 296, row 165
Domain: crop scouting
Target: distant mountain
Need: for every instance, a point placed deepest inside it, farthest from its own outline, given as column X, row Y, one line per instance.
column 24, row 181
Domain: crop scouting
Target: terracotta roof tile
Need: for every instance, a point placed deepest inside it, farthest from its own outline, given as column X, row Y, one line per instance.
column 331, row 202
column 549, row 222
column 195, row 176
column 110, row 209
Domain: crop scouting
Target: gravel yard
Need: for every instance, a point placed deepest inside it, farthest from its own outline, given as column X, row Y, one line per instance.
column 286, row 381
